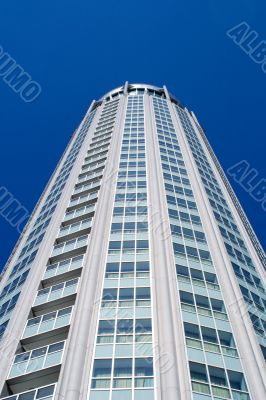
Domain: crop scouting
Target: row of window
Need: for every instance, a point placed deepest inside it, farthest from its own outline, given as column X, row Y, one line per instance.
column 201, row 338
column 122, row 374
column 125, row 332
column 236, row 247
column 218, row 382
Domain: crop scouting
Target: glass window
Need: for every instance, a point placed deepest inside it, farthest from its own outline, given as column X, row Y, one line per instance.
column 102, row 368
column 127, row 267
column 237, row 380
column 45, row 392
column 125, row 326
column 143, row 326
column 56, row 347
column 109, row 294
column 209, row 334
column 198, row 372
column 123, row 367
column 192, row 330
column 27, row 396
column 39, row 352
column 106, row 327
column 112, row 267
column 126, row 294
column 143, row 367
column 49, row 316
column 217, row 376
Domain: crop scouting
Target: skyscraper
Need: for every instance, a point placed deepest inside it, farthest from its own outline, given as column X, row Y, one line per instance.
column 138, row 276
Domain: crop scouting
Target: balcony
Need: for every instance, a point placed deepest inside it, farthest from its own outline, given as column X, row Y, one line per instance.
column 87, row 188
column 45, row 326
column 79, row 212
column 51, row 297
column 69, row 245
column 94, row 152
column 83, row 199
column 69, row 248
column 74, row 230
column 35, row 368
column 69, row 267
column 41, row 393
column 99, row 150
column 99, row 165
column 88, row 176
column 99, row 158
column 37, row 359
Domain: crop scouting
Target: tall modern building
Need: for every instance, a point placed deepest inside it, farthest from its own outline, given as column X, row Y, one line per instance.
column 138, row 276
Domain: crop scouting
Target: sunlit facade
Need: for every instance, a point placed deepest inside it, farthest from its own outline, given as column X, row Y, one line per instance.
column 138, row 276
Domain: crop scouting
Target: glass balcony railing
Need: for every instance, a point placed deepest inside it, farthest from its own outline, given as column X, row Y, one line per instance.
column 69, row 245
column 100, row 157
column 63, row 266
column 56, row 291
column 48, row 322
column 97, row 151
column 87, row 167
column 80, row 211
column 41, row 393
column 83, row 198
column 89, row 176
column 89, row 186
column 37, row 359
column 77, row 226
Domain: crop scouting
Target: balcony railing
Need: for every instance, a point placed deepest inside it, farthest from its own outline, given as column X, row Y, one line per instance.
column 89, row 176
column 83, row 198
column 69, row 245
column 37, row 359
column 63, row 266
column 41, row 393
column 48, row 322
column 87, row 167
column 75, row 227
column 80, row 211
column 56, row 292
column 89, row 186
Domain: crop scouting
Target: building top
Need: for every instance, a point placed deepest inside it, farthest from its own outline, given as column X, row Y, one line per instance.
column 141, row 87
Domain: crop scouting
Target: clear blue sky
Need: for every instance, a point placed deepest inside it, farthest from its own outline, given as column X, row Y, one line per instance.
column 79, row 50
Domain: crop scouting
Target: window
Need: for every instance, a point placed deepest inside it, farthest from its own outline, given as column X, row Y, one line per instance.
column 143, row 372
column 199, row 378
column 101, row 374
column 122, row 372
column 179, row 249
column 143, row 296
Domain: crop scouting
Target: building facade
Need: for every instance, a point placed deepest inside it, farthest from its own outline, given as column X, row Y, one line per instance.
column 138, row 276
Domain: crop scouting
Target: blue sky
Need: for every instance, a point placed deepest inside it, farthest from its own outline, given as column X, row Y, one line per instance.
column 79, row 50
